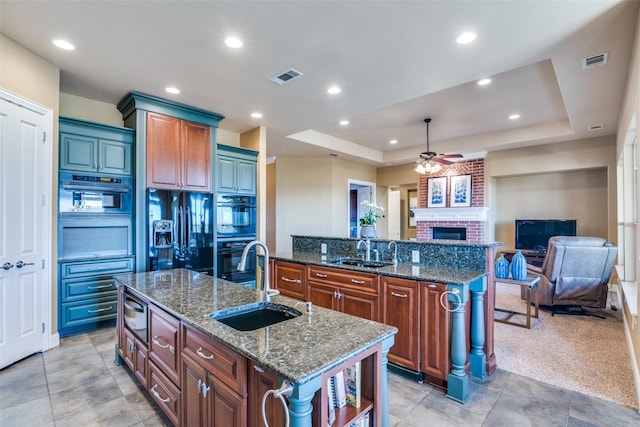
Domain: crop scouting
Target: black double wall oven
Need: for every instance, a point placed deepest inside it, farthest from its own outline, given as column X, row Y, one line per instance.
column 235, row 229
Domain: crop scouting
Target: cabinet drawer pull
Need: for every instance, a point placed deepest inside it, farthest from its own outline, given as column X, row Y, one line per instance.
column 284, row 279
column 399, row 295
column 199, row 385
column 132, row 348
column 205, row 390
column 324, row 276
column 101, row 286
column 201, row 354
column 157, row 395
column 432, row 286
column 169, row 346
column 357, row 282
column 99, row 310
column 258, row 368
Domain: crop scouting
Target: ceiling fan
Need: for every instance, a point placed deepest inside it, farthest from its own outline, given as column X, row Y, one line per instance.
column 430, row 161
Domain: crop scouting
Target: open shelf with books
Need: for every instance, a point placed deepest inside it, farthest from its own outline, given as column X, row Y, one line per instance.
column 351, row 395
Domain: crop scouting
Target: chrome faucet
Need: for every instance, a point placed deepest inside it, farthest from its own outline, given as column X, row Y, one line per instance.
column 395, row 252
column 242, row 266
column 367, row 245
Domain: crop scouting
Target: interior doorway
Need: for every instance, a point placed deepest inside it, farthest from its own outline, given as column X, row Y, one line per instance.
column 358, row 191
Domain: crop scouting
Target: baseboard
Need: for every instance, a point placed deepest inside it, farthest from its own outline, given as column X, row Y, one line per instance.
column 634, row 361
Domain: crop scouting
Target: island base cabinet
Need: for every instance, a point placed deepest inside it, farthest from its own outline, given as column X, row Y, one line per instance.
column 400, row 302
column 164, row 342
column 435, row 331
column 134, row 354
column 207, row 401
column 165, row 393
column 261, row 381
column 289, row 279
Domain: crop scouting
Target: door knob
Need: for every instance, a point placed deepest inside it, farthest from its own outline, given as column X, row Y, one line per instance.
column 7, row 266
column 21, row 264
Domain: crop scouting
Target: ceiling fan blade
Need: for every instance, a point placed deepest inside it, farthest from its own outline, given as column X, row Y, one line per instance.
column 442, row 161
column 450, row 156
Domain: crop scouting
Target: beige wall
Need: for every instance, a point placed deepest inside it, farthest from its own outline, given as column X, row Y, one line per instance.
column 90, row 110
column 312, row 196
column 580, row 195
column 629, row 116
column 586, row 154
column 31, row 77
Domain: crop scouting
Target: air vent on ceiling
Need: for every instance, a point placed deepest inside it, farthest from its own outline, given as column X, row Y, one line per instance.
column 596, row 127
column 287, row 76
column 595, row 60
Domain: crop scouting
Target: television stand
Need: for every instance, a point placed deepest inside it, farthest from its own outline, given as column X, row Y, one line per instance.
column 533, row 257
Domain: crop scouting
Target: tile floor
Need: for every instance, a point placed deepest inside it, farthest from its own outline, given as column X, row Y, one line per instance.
column 77, row 384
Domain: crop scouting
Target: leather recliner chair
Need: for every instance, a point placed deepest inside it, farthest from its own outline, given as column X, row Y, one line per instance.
column 575, row 271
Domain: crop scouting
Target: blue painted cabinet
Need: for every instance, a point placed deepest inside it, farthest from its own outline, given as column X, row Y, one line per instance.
column 90, row 147
column 236, row 170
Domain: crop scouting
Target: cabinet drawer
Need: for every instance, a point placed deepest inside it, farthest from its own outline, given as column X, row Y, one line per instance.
column 289, row 279
column 81, row 313
column 75, row 290
column 164, row 342
column 165, row 393
column 362, row 281
column 229, row 366
column 78, row 269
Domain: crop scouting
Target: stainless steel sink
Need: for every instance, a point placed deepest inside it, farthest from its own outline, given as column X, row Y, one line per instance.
column 255, row 316
column 357, row 262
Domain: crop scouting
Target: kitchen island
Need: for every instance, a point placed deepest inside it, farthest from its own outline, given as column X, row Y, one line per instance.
column 304, row 351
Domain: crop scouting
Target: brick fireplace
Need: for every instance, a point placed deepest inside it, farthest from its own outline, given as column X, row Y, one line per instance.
column 472, row 218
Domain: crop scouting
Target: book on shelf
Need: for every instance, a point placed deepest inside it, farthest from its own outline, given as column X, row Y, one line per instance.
column 352, row 384
column 332, row 402
column 339, row 389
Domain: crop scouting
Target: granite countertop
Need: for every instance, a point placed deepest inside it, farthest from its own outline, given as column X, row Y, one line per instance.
column 298, row 349
column 403, row 270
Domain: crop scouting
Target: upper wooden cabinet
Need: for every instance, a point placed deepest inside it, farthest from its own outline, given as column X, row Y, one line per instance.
column 178, row 153
column 236, row 170
column 92, row 147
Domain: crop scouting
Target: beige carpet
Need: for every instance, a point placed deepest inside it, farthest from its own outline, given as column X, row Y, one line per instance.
column 584, row 354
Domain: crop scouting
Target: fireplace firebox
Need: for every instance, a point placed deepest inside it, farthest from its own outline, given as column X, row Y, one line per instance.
column 450, row 233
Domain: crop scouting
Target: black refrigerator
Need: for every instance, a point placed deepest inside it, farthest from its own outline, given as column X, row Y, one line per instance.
column 181, row 230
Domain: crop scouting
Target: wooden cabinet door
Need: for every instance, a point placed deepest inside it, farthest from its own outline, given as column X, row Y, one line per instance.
column 322, row 295
column 164, row 345
column 361, row 304
column 194, row 406
column 114, row 157
column 288, row 278
column 260, row 381
column 78, row 153
column 227, row 409
column 163, row 151
column 141, row 362
column 246, row 177
column 400, row 308
column 226, row 174
column 196, row 157
column 434, row 327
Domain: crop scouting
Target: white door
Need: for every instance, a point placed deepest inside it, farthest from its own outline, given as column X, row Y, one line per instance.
column 393, row 215
column 25, row 229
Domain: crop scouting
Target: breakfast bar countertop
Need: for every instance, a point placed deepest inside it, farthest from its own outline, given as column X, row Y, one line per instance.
column 402, row 270
column 298, row 349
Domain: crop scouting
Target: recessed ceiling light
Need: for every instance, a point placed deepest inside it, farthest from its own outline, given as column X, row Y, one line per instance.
column 256, row 115
column 483, row 82
column 333, row 90
column 465, row 38
column 393, row 141
column 63, row 44
column 344, row 122
column 514, row 117
column 233, row 42
column 173, row 90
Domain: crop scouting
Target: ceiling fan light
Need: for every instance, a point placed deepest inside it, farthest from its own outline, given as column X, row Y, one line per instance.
column 427, row 167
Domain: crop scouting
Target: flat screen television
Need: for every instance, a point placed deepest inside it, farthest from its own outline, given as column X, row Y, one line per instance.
column 534, row 234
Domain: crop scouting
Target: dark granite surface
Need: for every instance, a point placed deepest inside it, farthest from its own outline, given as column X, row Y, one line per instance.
column 402, row 270
column 297, row 349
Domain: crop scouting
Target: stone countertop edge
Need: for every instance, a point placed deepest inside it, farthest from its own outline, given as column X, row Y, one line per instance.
column 403, row 270
column 439, row 242
column 297, row 349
